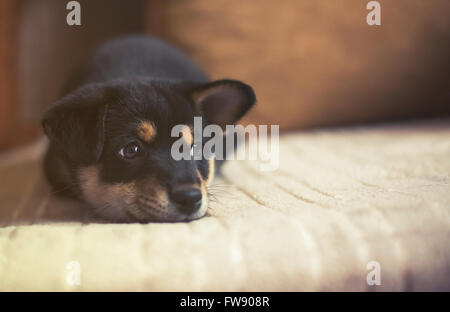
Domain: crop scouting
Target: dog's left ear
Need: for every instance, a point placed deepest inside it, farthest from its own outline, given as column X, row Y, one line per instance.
column 76, row 123
column 223, row 102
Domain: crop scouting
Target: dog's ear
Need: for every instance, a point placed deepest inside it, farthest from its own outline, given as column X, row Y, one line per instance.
column 223, row 102
column 76, row 123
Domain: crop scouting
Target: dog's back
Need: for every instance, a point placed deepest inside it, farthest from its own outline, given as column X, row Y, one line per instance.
column 136, row 56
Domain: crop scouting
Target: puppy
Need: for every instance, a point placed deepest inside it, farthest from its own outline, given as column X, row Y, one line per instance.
column 110, row 135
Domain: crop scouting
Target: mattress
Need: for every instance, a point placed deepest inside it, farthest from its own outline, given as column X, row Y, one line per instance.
column 361, row 209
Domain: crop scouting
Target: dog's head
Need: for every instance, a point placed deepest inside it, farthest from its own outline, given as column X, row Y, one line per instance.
column 117, row 137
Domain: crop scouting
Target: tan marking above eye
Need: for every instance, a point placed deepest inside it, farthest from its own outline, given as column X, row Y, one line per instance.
column 146, row 131
column 187, row 135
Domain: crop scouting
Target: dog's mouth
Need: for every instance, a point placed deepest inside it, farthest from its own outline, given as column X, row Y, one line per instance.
column 143, row 202
column 150, row 209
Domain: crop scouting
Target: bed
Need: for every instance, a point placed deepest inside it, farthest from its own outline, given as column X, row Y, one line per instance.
column 342, row 201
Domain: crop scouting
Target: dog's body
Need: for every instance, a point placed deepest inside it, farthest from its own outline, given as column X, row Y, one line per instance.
column 136, row 56
column 110, row 136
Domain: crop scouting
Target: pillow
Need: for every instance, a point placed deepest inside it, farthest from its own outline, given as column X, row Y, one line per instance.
column 316, row 63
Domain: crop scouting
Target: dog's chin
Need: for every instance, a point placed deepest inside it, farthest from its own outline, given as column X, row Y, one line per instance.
column 126, row 203
column 138, row 213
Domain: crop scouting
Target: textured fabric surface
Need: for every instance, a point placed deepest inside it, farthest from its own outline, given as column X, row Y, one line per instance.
column 340, row 199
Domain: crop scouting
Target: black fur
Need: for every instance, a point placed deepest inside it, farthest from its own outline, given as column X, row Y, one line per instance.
column 128, row 80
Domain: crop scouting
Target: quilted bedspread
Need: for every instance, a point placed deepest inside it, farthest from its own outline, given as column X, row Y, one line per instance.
column 342, row 201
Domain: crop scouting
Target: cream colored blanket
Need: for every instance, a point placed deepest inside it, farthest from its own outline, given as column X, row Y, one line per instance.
column 340, row 200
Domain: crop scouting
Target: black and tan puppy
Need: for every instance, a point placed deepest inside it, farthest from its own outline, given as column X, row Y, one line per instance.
column 110, row 136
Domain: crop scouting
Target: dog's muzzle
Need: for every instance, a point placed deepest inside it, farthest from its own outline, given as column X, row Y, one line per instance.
column 188, row 199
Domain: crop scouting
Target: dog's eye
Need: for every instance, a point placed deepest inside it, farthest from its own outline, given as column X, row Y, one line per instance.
column 130, row 151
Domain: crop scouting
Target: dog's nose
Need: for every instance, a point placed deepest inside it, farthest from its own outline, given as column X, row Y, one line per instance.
column 189, row 198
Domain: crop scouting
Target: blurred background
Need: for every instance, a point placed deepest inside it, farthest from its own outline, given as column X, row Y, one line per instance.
column 312, row 63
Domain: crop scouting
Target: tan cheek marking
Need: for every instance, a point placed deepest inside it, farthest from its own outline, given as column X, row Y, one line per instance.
column 212, row 168
column 161, row 196
column 146, row 131
column 154, row 190
column 126, row 191
column 210, row 177
column 202, row 185
column 90, row 184
column 187, row 135
column 98, row 193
